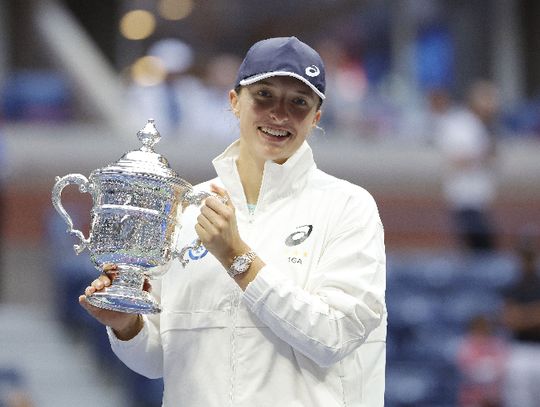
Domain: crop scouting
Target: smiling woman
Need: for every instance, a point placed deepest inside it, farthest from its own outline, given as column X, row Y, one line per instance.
column 287, row 306
column 276, row 115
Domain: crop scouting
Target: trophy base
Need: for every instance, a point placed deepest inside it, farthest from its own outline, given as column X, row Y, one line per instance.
column 125, row 299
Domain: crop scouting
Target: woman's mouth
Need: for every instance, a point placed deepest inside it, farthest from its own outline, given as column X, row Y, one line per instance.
column 275, row 133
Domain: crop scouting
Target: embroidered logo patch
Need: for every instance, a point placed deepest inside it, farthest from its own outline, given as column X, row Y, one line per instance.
column 198, row 252
column 312, row 71
column 299, row 236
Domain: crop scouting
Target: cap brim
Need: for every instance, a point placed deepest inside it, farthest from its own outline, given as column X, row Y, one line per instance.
column 261, row 76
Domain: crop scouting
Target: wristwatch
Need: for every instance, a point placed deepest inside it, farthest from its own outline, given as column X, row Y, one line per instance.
column 241, row 263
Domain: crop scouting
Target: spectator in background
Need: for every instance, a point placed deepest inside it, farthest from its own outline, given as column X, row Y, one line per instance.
column 18, row 398
column 13, row 389
column 521, row 315
column 467, row 142
column 347, row 83
column 481, row 362
column 208, row 113
column 440, row 108
column 161, row 84
column 3, row 175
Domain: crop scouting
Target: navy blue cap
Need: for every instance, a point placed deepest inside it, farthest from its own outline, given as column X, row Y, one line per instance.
column 283, row 56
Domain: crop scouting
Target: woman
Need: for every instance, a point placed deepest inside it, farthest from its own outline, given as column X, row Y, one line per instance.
column 286, row 306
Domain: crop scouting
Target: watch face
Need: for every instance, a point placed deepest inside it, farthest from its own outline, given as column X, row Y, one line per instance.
column 241, row 264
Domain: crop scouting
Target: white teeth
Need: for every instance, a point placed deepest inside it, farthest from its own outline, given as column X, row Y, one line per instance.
column 275, row 132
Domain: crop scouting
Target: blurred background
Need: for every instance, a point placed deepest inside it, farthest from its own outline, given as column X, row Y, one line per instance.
column 432, row 105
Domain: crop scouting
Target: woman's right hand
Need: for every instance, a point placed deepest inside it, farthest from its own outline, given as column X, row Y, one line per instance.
column 125, row 326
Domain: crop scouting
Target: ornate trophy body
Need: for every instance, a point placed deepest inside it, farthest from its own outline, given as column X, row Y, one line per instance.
column 135, row 219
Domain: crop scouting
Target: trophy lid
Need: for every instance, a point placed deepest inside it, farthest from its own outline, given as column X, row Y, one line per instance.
column 145, row 161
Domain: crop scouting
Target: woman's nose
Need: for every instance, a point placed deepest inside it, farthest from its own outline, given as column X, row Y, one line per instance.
column 278, row 112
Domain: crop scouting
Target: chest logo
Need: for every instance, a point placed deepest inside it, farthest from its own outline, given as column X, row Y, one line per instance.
column 198, row 252
column 299, row 236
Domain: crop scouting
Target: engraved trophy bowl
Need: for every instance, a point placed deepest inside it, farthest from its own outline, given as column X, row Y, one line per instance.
column 135, row 219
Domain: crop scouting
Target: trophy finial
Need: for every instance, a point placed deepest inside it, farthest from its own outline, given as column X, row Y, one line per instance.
column 149, row 135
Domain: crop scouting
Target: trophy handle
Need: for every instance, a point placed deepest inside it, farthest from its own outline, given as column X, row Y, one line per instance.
column 85, row 187
column 181, row 255
column 194, row 198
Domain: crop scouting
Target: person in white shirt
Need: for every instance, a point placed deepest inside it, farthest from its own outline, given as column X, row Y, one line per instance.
column 285, row 305
column 467, row 145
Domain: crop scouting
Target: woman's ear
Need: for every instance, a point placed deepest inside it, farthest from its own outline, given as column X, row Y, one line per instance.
column 233, row 101
column 315, row 123
column 316, row 119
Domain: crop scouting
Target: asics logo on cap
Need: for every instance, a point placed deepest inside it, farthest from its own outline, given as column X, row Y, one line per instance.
column 312, row 71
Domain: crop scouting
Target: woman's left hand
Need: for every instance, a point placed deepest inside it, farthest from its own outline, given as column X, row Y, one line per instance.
column 217, row 228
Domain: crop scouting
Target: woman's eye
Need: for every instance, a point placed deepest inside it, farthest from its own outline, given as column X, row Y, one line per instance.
column 263, row 93
column 300, row 102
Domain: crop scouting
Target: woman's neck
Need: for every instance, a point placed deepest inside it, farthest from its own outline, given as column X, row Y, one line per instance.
column 251, row 173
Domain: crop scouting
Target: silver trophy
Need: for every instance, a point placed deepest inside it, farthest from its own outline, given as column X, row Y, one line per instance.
column 135, row 219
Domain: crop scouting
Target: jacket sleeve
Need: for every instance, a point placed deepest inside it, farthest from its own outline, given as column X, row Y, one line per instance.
column 142, row 354
column 343, row 301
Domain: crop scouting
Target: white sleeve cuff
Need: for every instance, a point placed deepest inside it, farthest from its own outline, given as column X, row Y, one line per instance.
column 137, row 340
column 266, row 279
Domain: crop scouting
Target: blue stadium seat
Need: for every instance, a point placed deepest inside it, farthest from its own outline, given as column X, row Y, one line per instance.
column 493, row 271
column 431, row 299
column 462, row 304
column 411, row 384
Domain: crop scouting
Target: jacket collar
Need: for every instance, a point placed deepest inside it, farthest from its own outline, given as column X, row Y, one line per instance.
column 279, row 180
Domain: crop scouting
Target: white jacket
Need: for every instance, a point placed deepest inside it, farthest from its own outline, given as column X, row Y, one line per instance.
column 309, row 331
